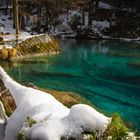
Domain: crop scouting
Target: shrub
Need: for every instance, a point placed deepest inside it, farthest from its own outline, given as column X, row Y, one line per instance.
column 117, row 129
column 12, row 52
column 4, row 53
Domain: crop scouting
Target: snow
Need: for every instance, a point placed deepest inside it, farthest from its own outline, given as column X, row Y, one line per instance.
column 131, row 136
column 63, row 28
column 104, row 5
column 131, row 39
column 100, row 24
column 23, row 37
column 54, row 120
column 8, row 28
column 73, row 13
column 7, row 46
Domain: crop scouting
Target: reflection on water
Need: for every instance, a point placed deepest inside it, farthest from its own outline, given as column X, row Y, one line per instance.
column 107, row 73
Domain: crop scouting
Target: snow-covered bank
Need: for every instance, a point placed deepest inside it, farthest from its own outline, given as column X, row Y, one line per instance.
column 6, row 27
column 23, row 38
column 9, row 34
column 53, row 120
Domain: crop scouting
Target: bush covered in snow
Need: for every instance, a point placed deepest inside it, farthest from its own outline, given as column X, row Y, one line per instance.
column 117, row 130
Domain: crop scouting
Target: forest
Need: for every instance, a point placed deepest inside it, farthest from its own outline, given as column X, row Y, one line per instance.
column 115, row 18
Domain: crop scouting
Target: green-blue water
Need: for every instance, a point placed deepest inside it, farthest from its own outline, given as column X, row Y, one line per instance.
column 105, row 73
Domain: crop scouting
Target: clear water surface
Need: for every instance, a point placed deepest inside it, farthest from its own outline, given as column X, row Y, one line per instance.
column 107, row 73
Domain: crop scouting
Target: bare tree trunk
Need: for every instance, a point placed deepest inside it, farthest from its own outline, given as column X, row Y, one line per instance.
column 90, row 12
column 47, row 19
column 97, row 9
column 97, row 4
column 7, row 4
column 38, row 19
column 14, row 11
column 67, row 12
column 22, row 22
column 83, row 18
column 17, row 20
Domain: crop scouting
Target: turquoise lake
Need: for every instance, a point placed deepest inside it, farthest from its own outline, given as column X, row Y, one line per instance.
column 106, row 73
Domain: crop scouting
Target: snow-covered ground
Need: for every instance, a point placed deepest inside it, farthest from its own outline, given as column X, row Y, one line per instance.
column 63, row 29
column 98, row 26
column 104, row 5
column 53, row 119
column 7, row 28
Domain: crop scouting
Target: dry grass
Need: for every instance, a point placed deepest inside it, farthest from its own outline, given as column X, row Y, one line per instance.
column 67, row 98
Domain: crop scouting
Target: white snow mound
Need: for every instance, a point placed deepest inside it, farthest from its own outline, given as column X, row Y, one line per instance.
column 53, row 119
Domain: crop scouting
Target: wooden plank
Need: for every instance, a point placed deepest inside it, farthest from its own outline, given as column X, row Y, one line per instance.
column 9, row 35
column 7, row 41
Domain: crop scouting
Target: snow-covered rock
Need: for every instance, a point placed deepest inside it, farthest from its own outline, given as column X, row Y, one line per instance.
column 63, row 28
column 53, row 119
column 100, row 24
column 104, row 5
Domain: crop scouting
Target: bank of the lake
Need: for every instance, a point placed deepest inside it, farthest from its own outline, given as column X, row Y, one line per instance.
column 106, row 73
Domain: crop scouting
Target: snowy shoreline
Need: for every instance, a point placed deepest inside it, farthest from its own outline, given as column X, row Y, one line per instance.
column 89, row 37
column 49, row 116
column 48, row 119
